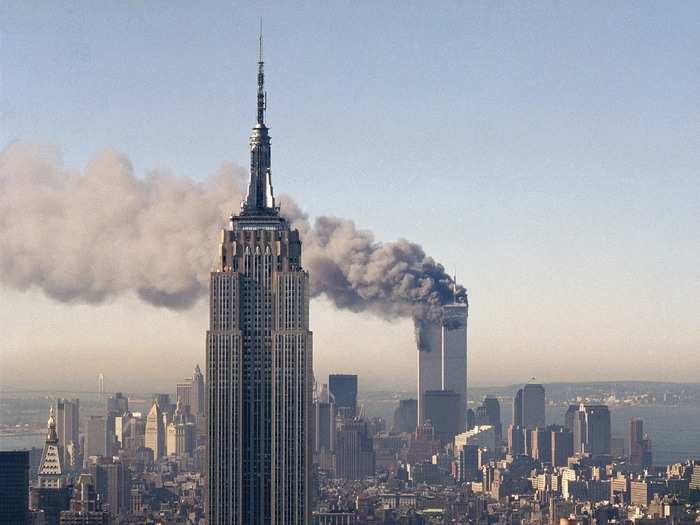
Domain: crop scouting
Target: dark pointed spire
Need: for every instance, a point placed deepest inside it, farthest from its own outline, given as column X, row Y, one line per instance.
column 260, row 199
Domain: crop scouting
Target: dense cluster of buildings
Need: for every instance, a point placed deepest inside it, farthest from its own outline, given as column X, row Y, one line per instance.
column 124, row 467
column 534, row 473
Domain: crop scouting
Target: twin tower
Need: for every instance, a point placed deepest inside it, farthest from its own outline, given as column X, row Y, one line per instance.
column 442, row 371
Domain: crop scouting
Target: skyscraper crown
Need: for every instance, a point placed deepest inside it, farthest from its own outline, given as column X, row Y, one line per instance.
column 260, row 199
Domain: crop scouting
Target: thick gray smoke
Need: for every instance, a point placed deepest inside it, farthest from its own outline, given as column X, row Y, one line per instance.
column 90, row 236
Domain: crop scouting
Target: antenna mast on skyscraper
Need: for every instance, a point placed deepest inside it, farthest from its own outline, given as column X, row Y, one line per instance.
column 262, row 95
column 260, row 49
column 454, row 288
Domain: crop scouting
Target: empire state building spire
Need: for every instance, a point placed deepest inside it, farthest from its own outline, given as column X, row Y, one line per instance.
column 260, row 199
column 261, row 81
column 259, row 360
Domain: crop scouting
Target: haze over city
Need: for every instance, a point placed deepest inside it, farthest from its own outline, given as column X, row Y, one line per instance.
column 548, row 157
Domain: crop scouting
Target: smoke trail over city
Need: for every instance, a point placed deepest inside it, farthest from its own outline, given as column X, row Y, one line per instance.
column 93, row 235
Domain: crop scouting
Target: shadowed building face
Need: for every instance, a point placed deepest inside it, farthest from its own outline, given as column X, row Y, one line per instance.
column 343, row 388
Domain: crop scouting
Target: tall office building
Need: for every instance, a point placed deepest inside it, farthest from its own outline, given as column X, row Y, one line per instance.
column 184, row 393
column 454, row 357
column 324, row 430
column 592, row 430
column 354, row 451
column 324, row 426
column 541, row 444
column 640, row 446
column 117, row 487
column 166, row 407
column 442, row 359
column 570, row 417
column 518, row 409
column 198, row 399
column 468, row 463
column 155, row 432
column 122, row 429
column 99, row 436
column 441, row 406
column 343, row 388
column 489, row 413
column 118, row 404
column 484, row 437
column 533, row 406
column 406, row 416
column 190, row 392
column 14, row 480
column 85, row 507
column 598, row 430
column 68, row 430
column 180, row 432
column 111, row 483
column 562, row 446
column 259, row 360
column 471, row 419
column 516, row 440
column 429, row 363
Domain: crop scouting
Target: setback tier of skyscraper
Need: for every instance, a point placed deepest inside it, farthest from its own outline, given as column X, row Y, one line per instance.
column 259, row 360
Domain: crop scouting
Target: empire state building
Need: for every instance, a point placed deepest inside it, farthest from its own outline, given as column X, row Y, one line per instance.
column 259, row 359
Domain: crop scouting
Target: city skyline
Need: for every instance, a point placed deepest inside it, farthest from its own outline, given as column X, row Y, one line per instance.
column 465, row 195
column 522, row 269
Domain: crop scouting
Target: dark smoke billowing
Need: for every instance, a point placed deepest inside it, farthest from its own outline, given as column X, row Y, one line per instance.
column 90, row 236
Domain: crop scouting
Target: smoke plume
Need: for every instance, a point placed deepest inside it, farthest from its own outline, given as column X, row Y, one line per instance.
column 93, row 235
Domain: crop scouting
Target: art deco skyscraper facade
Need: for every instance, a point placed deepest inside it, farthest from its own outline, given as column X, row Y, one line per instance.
column 197, row 392
column 155, row 432
column 259, row 360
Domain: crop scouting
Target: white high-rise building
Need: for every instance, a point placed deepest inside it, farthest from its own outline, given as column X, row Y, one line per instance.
column 198, row 398
column 454, row 356
column 442, row 358
column 429, row 363
column 155, row 432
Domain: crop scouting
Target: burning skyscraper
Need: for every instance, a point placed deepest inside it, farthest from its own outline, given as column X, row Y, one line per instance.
column 442, row 357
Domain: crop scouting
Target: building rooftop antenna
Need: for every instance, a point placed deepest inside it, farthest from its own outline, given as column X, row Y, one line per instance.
column 262, row 95
column 454, row 287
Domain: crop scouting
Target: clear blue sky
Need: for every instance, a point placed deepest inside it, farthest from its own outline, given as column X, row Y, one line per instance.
column 549, row 151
